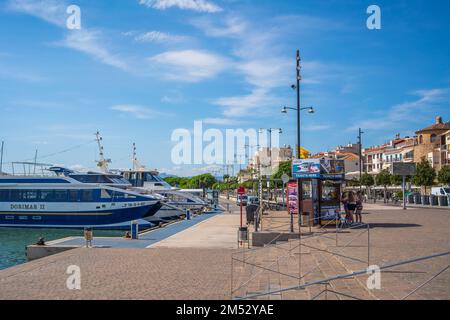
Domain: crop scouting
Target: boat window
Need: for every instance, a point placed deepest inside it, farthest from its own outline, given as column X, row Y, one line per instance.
column 87, row 195
column 4, row 195
column 91, row 178
column 60, row 196
column 73, row 195
column 150, row 177
column 29, row 195
column 105, row 194
column 46, row 195
column 119, row 181
column 15, row 195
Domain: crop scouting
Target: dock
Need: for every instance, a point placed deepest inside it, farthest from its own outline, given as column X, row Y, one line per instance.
column 146, row 238
column 199, row 259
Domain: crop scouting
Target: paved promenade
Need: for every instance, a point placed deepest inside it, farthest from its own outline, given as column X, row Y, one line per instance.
column 196, row 263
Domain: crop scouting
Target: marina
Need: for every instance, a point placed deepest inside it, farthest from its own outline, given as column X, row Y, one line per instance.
column 232, row 156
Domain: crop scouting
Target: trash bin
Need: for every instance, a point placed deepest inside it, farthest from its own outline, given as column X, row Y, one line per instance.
column 443, row 201
column 306, row 220
column 433, row 200
column 243, row 234
column 417, row 199
column 250, row 211
column 426, row 200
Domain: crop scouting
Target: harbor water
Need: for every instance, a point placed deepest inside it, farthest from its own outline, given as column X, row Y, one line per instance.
column 13, row 241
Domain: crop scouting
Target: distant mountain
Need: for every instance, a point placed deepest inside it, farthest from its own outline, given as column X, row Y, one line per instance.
column 166, row 175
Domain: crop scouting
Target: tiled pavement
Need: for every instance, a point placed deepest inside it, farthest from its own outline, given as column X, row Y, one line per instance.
column 159, row 273
column 395, row 235
column 205, row 273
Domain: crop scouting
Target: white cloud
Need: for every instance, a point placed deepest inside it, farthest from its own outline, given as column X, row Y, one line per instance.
column 52, row 11
column 256, row 102
column 221, row 121
column 190, row 65
column 137, row 111
column 155, row 36
column 90, row 42
column 85, row 40
column 232, row 26
column 195, row 5
column 417, row 110
column 316, row 127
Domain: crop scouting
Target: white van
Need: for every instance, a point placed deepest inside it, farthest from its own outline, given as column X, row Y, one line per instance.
column 440, row 191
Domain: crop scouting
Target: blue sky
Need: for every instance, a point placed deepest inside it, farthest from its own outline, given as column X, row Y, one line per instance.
column 138, row 69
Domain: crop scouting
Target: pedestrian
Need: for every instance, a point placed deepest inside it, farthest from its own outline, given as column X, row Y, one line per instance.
column 344, row 201
column 359, row 206
column 351, row 200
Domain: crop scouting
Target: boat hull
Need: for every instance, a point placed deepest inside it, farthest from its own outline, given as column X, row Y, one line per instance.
column 76, row 219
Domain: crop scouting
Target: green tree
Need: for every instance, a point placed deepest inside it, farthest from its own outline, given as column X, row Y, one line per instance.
column 383, row 179
column 202, row 181
column 367, row 180
column 396, row 180
column 425, row 174
column 285, row 167
column 444, row 175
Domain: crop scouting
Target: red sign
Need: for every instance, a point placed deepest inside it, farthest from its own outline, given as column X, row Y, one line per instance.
column 241, row 190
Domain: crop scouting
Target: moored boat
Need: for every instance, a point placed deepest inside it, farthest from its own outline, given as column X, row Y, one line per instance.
column 63, row 202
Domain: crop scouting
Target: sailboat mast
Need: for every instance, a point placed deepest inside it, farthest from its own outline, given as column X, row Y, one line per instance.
column 1, row 157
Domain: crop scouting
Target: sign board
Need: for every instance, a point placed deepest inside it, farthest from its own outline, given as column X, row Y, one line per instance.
column 329, row 169
column 305, row 168
column 403, row 169
column 241, row 190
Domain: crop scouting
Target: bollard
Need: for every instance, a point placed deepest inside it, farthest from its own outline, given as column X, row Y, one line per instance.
column 88, row 236
column 188, row 214
column 134, row 230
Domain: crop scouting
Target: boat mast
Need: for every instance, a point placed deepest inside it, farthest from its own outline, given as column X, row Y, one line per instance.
column 102, row 163
column 134, row 156
column 1, row 157
column 35, row 161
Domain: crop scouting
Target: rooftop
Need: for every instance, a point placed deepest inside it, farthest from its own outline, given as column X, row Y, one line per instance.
column 438, row 125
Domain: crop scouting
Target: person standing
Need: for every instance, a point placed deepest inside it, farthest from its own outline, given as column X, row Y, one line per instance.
column 359, row 206
column 351, row 205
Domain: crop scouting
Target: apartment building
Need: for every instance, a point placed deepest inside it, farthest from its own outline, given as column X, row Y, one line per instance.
column 399, row 150
column 373, row 158
column 432, row 144
column 270, row 159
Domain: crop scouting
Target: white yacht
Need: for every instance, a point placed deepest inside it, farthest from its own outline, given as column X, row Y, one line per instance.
column 149, row 182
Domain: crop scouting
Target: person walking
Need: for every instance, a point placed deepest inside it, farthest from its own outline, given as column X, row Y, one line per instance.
column 359, row 206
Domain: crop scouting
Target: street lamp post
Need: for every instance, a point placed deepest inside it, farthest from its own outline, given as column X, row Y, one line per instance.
column 298, row 152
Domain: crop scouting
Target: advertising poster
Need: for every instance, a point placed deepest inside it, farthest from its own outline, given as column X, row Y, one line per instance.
column 332, row 169
column 305, row 168
column 292, row 197
column 329, row 213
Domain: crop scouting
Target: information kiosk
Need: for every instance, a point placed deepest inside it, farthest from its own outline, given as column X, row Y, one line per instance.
column 320, row 186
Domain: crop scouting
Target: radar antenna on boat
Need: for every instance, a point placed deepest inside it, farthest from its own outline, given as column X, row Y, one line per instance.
column 137, row 166
column 102, row 163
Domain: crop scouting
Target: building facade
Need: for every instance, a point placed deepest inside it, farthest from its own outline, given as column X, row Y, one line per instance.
column 432, row 144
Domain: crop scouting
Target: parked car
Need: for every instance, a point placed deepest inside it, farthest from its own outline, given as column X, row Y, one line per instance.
column 440, row 191
column 243, row 198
